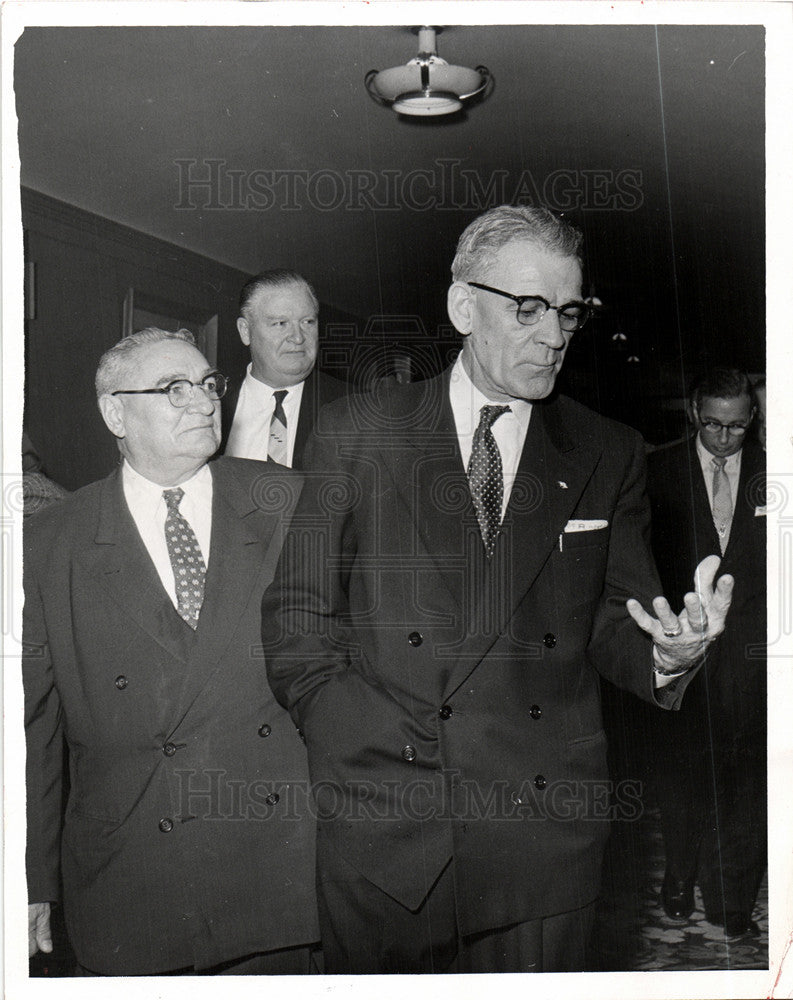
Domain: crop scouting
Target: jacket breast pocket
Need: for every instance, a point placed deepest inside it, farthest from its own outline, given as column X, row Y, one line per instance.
column 580, row 565
column 572, row 541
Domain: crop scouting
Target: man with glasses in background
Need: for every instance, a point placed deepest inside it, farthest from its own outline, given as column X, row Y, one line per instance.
column 708, row 495
column 455, row 579
column 142, row 657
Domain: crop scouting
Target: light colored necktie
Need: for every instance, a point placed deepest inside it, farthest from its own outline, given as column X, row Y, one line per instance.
column 722, row 501
column 486, row 476
column 187, row 561
column 277, row 449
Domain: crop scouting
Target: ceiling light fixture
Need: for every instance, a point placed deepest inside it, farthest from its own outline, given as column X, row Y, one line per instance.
column 427, row 86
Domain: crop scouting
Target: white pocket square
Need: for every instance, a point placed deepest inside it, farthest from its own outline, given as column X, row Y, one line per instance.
column 760, row 511
column 585, row 525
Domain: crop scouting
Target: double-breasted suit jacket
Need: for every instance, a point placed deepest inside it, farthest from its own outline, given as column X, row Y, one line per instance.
column 318, row 390
column 183, row 841
column 451, row 705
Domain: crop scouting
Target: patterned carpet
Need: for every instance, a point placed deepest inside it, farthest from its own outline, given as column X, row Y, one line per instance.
column 632, row 932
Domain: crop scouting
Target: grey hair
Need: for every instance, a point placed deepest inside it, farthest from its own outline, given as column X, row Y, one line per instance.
column 497, row 227
column 114, row 363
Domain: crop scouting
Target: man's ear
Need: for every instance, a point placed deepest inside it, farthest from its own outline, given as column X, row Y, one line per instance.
column 693, row 413
column 112, row 410
column 244, row 330
column 459, row 305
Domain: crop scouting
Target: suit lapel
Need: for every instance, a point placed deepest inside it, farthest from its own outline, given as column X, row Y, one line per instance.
column 228, row 407
column 241, row 540
column 123, row 566
column 553, row 472
column 427, row 471
column 309, row 405
column 749, row 495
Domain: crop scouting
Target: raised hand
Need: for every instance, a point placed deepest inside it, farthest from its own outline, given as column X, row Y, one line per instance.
column 680, row 640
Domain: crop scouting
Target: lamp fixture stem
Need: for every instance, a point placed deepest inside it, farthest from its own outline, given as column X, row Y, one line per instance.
column 427, row 43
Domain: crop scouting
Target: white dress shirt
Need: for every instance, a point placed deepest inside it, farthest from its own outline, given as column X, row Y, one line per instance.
column 250, row 432
column 732, row 468
column 509, row 430
column 149, row 511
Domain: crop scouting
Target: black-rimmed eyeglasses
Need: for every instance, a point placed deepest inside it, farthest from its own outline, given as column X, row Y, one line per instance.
column 532, row 308
column 180, row 391
column 716, row 427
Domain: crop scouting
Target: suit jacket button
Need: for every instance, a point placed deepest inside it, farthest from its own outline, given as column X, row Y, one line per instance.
column 535, row 711
column 169, row 749
column 265, row 730
column 272, row 799
column 540, row 782
column 166, row 825
column 121, row 682
column 408, row 753
column 549, row 639
column 445, row 711
column 415, row 638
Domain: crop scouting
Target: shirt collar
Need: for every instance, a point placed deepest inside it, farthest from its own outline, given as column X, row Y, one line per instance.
column 732, row 463
column 145, row 492
column 257, row 386
column 467, row 401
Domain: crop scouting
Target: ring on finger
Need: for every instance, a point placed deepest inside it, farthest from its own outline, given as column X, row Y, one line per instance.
column 673, row 633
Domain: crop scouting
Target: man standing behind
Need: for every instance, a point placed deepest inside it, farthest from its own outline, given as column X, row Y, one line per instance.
column 141, row 635
column 272, row 413
column 708, row 495
column 455, row 578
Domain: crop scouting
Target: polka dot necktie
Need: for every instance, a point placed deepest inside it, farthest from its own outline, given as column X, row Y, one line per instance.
column 277, row 447
column 189, row 568
column 722, row 501
column 486, row 477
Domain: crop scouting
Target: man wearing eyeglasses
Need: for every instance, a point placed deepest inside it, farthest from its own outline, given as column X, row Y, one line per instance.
column 180, row 848
column 708, row 494
column 455, row 581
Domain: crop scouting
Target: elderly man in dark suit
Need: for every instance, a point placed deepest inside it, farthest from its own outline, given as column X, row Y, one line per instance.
column 270, row 415
column 454, row 581
column 708, row 495
column 183, row 846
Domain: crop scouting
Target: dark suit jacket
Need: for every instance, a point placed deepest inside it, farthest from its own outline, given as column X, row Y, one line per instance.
column 318, row 390
column 166, row 862
column 452, row 707
column 683, row 534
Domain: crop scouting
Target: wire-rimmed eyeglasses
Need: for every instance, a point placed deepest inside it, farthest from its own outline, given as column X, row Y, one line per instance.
column 532, row 308
column 180, row 391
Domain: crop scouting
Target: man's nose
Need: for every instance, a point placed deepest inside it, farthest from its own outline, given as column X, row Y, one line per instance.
column 200, row 401
column 296, row 334
column 724, row 435
column 550, row 331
